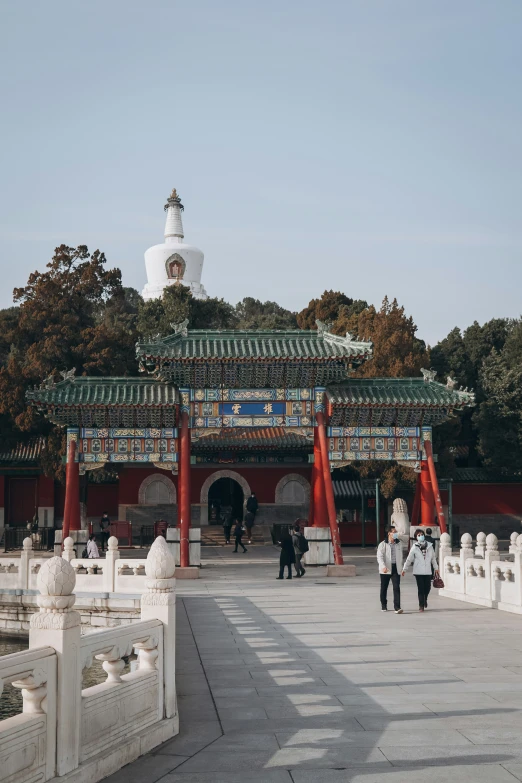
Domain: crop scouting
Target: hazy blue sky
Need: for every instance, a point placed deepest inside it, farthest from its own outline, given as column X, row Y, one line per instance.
column 371, row 146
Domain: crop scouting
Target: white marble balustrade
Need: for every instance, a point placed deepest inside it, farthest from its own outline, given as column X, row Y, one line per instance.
column 482, row 575
column 68, row 732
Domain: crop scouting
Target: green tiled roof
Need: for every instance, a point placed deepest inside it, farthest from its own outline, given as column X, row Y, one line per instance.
column 207, row 345
column 485, row 476
column 104, row 391
column 261, row 438
column 397, row 392
column 24, row 452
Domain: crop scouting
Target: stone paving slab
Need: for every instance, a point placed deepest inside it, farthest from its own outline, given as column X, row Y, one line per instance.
column 309, row 682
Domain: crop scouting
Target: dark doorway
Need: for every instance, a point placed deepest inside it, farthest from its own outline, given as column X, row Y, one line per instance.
column 224, row 492
column 21, row 499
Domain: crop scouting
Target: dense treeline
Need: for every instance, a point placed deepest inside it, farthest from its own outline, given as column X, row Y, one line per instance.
column 78, row 314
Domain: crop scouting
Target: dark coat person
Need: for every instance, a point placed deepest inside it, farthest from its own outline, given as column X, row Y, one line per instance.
column 287, row 556
column 238, row 534
column 252, row 504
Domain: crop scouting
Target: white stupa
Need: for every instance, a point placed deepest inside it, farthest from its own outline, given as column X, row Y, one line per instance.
column 173, row 262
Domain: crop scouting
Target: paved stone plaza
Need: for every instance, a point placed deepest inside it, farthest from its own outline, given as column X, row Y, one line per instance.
column 308, row 681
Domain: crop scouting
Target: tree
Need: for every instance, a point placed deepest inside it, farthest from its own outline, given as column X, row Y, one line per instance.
column 397, row 352
column 74, row 315
column 325, row 309
column 157, row 317
column 254, row 314
column 499, row 416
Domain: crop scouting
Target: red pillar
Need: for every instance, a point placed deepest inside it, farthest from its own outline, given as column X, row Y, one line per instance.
column 426, row 498
column 416, row 503
column 184, row 490
column 328, row 487
column 320, row 512
column 71, row 515
column 435, row 486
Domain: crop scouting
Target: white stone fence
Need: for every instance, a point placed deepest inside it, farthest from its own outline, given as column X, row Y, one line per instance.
column 482, row 576
column 65, row 731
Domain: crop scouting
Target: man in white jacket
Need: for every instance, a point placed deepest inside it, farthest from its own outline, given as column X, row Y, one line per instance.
column 390, row 559
column 422, row 555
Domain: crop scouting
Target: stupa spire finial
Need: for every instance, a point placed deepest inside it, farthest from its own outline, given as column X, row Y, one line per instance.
column 173, row 224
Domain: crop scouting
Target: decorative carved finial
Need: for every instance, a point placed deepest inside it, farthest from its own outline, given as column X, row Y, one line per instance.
column 450, row 382
column 323, row 327
column 55, row 581
column 68, row 375
column 160, row 562
column 428, row 375
column 174, row 199
column 48, row 383
column 181, row 328
column 113, row 544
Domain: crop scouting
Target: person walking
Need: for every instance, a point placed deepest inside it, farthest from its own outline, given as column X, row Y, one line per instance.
column 422, row 555
column 252, row 505
column 104, row 530
column 92, row 548
column 390, row 560
column 249, row 524
column 287, row 556
column 238, row 534
column 300, row 545
column 429, row 538
column 226, row 518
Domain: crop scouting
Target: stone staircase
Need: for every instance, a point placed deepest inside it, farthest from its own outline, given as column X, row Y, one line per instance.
column 212, row 535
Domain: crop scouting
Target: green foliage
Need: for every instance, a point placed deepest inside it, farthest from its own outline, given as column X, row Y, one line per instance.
column 254, row 314
column 158, row 316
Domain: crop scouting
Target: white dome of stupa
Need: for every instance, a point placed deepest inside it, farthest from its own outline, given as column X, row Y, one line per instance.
column 173, row 262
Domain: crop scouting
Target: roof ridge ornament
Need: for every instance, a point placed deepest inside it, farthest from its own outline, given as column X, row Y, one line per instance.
column 428, row 375
column 323, row 327
column 68, row 375
column 450, row 382
column 347, row 340
column 181, row 328
column 48, row 383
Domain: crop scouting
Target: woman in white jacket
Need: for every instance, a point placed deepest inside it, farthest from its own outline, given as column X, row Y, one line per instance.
column 422, row 555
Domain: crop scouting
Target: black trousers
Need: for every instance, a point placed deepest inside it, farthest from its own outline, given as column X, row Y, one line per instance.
column 423, row 588
column 396, row 582
column 282, row 571
column 227, row 530
column 239, row 543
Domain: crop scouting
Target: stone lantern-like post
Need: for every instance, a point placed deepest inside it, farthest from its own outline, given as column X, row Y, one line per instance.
column 158, row 602
column 57, row 625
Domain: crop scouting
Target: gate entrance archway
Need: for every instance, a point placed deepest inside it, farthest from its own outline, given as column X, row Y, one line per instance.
column 225, row 492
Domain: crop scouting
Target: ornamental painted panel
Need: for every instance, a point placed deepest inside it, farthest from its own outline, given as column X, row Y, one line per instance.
column 366, row 445
column 128, row 445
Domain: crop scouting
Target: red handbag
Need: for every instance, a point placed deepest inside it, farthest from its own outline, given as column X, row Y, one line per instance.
column 437, row 582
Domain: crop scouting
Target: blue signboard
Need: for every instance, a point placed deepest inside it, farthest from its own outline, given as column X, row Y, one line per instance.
column 252, row 408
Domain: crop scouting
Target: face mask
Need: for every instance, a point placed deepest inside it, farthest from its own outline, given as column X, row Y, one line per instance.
column 395, row 536
column 420, row 539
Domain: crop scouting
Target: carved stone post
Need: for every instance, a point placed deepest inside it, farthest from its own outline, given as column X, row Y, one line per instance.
column 480, row 549
column 444, row 551
column 158, row 602
column 466, row 551
column 68, row 550
column 25, row 556
column 513, row 548
column 490, row 556
column 57, row 625
column 109, row 566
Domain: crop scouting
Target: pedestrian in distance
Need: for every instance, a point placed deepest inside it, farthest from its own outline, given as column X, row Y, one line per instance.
column 429, row 538
column 390, row 560
column 287, row 556
column 227, row 521
column 238, row 534
column 92, row 548
column 249, row 524
column 104, row 530
column 252, row 505
column 422, row 555
column 300, row 545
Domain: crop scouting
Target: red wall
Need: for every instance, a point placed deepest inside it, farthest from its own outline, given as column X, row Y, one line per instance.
column 130, row 482
column 45, row 491
column 101, row 498
column 261, row 480
column 487, row 498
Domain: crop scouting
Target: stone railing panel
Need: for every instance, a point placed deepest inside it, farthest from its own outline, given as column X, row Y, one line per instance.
column 10, row 577
column 124, row 704
column 28, row 741
column 130, row 576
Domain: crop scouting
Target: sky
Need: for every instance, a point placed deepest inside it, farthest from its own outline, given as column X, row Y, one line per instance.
column 366, row 146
